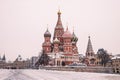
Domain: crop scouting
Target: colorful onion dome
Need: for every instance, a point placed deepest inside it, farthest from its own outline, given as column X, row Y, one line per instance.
column 74, row 38
column 56, row 41
column 67, row 34
column 47, row 33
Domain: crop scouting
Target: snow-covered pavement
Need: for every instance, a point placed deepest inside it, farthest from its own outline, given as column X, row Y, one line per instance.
column 29, row 74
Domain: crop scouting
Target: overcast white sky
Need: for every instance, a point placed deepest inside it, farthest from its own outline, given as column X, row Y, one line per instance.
column 23, row 23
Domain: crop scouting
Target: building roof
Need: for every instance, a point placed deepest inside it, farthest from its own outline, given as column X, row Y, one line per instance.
column 59, row 22
column 89, row 46
column 116, row 57
column 47, row 33
column 74, row 38
column 67, row 34
column 56, row 40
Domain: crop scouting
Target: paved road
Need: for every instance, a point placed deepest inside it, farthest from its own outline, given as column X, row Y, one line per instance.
column 54, row 75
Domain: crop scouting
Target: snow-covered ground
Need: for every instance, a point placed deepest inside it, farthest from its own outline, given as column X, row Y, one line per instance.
column 29, row 74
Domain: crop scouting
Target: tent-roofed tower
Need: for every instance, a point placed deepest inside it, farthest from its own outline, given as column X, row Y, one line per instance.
column 89, row 52
column 59, row 30
column 59, row 22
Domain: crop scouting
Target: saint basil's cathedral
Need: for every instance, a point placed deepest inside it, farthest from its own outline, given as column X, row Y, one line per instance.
column 63, row 48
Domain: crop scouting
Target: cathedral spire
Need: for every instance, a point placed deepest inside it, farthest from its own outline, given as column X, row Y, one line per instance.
column 73, row 32
column 89, row 51
column 89, row 46
column 67, row 27
column 4, row 58
column 59, row 22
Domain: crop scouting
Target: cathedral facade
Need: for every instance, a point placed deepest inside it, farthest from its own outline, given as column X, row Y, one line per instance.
column 63, row 48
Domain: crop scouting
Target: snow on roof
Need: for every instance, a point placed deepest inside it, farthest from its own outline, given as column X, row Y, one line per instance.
column 116, row 57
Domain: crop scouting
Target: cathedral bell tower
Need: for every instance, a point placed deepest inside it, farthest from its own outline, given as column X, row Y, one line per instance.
column 90, row 56
column 89, row 51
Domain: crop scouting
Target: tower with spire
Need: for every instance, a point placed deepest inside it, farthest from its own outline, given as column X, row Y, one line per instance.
column 59, row 30
column 90, row 55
